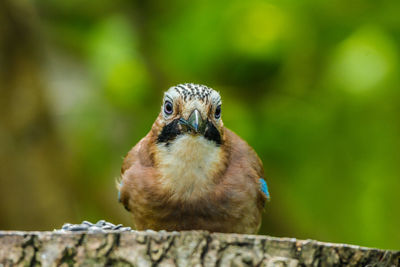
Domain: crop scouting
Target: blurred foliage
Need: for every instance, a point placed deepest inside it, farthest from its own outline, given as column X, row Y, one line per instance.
column 312, row 85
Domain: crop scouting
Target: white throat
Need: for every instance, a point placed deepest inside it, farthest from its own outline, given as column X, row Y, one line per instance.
column 188, row 165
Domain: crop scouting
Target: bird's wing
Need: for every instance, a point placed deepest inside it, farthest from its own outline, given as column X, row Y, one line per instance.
column 264, row 187
column 245, row 162
column 137, row 164
column 137, row 153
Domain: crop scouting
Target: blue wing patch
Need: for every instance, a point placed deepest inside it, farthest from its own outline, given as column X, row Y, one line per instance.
column 264, row 187
column 119, row 192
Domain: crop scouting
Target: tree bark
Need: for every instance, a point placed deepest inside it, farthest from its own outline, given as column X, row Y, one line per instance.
column 195, row 248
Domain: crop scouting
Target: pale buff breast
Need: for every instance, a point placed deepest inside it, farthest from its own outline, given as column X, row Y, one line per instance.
column 188, row 166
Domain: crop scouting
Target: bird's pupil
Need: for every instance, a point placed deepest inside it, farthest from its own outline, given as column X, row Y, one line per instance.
column 218, row 112
column 168, row 107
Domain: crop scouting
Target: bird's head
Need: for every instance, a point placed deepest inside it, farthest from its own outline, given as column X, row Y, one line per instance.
column 189, row 147
column 190, row 109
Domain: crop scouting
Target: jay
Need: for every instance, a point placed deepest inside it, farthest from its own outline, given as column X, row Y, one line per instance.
column 192, row 173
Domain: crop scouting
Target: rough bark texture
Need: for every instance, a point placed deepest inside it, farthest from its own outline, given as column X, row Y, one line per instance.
column 180, row 249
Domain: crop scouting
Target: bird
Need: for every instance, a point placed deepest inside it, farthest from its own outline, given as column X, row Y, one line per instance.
column 190, row 172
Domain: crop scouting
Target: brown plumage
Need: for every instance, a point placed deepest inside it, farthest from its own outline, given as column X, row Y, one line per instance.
column 190, row 172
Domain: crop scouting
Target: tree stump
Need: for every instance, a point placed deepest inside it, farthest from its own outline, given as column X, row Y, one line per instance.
column 193, row 248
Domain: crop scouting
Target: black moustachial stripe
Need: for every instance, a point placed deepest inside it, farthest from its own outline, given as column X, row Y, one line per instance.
column 169, row 132
column 212, row 133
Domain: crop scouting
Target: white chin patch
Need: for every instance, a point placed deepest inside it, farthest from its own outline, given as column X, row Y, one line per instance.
column 188, row 165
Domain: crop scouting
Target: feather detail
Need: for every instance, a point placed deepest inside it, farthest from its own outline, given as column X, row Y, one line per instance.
column 119, row 191
column 264, row 187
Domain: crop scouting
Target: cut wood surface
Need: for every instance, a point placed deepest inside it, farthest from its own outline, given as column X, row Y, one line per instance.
column 194, row 248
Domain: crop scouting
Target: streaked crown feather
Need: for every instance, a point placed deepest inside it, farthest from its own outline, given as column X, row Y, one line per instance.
column 190, row 91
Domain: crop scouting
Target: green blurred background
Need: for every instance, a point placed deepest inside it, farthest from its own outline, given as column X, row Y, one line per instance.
column 312, row 85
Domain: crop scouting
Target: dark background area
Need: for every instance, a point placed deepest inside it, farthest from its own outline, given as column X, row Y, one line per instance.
column 312, row 85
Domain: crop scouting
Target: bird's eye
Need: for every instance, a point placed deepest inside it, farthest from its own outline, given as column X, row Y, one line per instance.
column 218, row 112
column 168, row 108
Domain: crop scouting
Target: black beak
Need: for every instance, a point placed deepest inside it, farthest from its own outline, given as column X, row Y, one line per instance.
column 195, row 122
